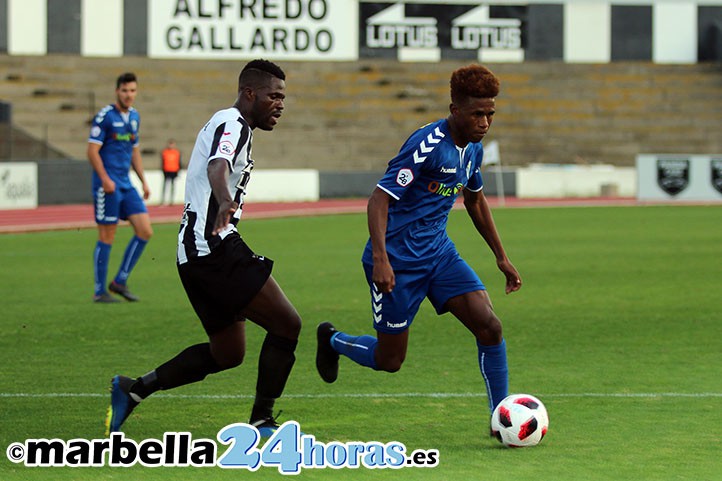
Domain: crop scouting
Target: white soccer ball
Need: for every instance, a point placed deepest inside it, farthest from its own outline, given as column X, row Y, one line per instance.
column 520, row 420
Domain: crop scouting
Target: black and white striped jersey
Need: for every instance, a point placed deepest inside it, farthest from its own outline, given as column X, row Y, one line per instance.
column 226, row 136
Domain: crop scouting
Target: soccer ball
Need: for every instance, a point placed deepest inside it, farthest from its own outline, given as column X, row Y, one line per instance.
column 520, row 420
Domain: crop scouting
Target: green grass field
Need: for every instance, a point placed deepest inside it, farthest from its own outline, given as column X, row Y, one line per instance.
column 617, row 329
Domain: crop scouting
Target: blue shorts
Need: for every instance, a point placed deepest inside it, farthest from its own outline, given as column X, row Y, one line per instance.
column 121, row 204
column 449, row 277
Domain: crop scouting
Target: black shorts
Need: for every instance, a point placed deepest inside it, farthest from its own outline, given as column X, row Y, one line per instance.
column 221, row 284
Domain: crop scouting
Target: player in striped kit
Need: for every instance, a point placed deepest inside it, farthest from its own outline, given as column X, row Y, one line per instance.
column 409, row 255
column 226, row 282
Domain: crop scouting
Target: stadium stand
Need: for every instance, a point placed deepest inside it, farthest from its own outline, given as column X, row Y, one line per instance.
column 352, row 116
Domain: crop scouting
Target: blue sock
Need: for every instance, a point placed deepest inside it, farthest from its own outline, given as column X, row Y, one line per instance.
column 131, row 256
column 359, row 349
column 494, row 370
column 101, row 256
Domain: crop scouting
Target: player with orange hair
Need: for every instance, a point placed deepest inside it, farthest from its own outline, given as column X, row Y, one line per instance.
column 409, row 255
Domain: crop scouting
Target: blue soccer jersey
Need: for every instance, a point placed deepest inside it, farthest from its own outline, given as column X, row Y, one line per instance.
column 425, row 178
column 117, row 133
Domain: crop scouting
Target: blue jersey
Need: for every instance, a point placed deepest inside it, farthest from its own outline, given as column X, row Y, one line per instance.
column 425, row 178
column 118, row 135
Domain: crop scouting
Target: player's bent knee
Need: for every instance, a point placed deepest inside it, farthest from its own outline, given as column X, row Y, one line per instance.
column 230, row 360
column 291, row 326
column 145, row 234
column 392, row 364
column 491, row 333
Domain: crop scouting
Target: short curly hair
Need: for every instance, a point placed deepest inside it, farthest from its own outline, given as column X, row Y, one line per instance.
column 473, row 81
column 258, row 72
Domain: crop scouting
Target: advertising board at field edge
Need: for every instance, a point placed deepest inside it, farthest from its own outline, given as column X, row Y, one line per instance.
column 18, row 185
column 679, row 177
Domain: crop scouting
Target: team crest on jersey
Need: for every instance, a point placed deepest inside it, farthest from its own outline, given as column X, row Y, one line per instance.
column 404, row 177
column 226, row 148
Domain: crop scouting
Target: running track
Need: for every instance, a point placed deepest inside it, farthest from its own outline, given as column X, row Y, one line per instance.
column 63, row 217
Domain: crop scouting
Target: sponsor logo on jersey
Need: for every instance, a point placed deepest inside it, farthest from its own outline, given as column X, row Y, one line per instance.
column 124, row 137
column 439, row 188
column 226, row 148
column 404, row 177
column 448, row 170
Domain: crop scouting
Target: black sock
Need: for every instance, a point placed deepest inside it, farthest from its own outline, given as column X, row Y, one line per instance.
column 145, row 385
column 262, row 408
column 274, row 367
column 191, row 365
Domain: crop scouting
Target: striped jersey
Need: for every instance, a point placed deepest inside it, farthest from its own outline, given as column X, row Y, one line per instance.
column 226, row 136
column 424, row 179
column 117, row 134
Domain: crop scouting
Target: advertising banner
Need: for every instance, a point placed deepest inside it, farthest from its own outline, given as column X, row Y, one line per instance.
column 679, row 177
column 18, row 185
column 242, row 29
column 409, row 31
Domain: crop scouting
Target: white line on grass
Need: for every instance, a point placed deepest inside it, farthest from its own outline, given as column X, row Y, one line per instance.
column 380, row 395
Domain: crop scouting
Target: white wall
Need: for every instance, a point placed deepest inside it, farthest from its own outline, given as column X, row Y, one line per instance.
column 558, row 181
column 27, row 27
column 675, row 32
column 102, row 28
column 545, row 181
column 277, row 185
column 587, row 32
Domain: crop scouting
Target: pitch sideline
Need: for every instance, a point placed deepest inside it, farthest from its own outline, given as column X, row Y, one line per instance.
column 377, row 395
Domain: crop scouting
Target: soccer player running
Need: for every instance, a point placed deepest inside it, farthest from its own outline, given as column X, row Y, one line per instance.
column 225, row 281
column 409, row 255
column 112, row 150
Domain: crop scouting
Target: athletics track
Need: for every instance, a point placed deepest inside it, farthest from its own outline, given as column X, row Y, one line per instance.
column 64, row 217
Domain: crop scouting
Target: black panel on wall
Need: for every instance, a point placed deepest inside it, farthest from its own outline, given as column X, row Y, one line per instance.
column 64, row 26
column 3, row 26
column 631, row 32
column 709, row 31
column 545, row 30
column 63, row 181
column 135, row 27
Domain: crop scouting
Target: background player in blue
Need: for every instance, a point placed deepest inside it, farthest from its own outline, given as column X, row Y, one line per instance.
column 409, row 255
column 112, row 151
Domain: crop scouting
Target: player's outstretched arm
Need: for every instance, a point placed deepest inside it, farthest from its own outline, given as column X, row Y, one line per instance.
column 478, row 209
